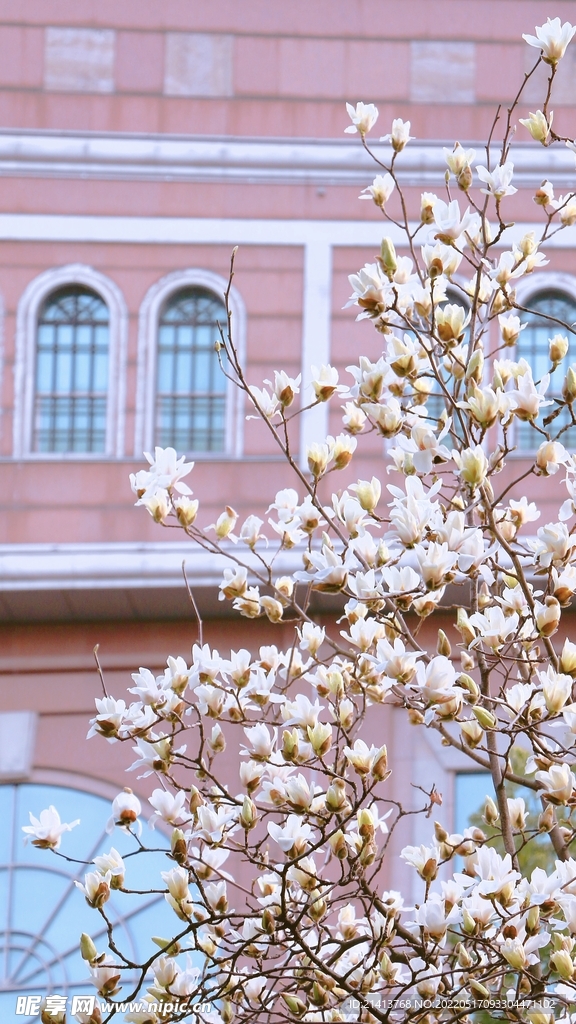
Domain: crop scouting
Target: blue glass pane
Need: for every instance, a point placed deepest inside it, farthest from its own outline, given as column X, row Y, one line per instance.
column 471, row 790
column 533, row 347
column 71, row 370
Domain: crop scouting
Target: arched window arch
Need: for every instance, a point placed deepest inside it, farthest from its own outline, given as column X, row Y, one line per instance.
column 69, row 371
column 541, row 303
column 191, row 389
column 42, row 912
column 184, row 400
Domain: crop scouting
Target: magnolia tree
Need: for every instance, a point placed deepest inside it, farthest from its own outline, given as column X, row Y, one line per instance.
column 275, row 867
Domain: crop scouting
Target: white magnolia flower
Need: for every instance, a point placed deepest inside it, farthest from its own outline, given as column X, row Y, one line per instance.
column 47, row 830
column 169, row 807
column 557, row 783
column 261, row 742
column 380, row 190
column 167, row 470
column 498, row 180
column 552, row 39
column 96, row 887
column 494, row 627
column 400, row 136
column 449, row 223
column 363, row 117
column 126, row 809
column 293, row 831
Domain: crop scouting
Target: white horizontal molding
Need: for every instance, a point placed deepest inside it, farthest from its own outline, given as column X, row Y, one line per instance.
column 250, row 160
column 24, row 227
column 33, row 567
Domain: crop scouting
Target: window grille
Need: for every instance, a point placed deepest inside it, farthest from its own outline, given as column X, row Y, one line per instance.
column 71, row 373
column 42, row 913
column 533, row 346
column 190, row 386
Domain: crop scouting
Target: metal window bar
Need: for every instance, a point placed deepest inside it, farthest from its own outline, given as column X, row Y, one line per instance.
column 532, row 346
column 190, row 387
column 71, row 372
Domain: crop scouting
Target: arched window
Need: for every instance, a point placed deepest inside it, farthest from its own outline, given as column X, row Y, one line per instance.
column 42, row 913
column 71, row 372
column 533, row 346
column 190, row 386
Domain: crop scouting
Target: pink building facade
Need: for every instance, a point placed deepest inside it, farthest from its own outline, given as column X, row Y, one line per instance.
column 139, row 143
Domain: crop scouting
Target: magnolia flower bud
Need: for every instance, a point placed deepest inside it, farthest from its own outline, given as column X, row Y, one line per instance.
column 491, row 813
column 464, row 179
column 88, row 950
column 471, row 687
column 544, row 195
column 170, row 948
column 472, row 732
column 320, row 737
column 547, row 819
column 479, row 990
column 562, row 964
column 294, row 1004
column 547, row 616
column 538, row 126
column 318, row 456
column 178, row 846
column 196, row 799
column 533, row 921
column 338, row 845
column 227, row 1012
column 290, row 744
column 225, row 523
column 472, row 465
column 486, row 718
column 568, row 659
column 274, row 609
column 186, row 510
column 440, row 832
column 379, row 768
column 569, row 385
column 558, row 347
column 336, row 799
column 248, row 815
column 368, row 493
column 465, row 961
column 464, row 626
column 475, row 368
column 443, row 645
column 388, row 259
column 468, row 922
column 427, row 203
column 527, row 244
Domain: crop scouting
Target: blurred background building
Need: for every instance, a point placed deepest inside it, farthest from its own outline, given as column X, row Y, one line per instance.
column 139, row 143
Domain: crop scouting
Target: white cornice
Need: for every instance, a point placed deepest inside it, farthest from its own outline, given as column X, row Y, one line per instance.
column 48, row 227
column 25, row 567
column 133, row 157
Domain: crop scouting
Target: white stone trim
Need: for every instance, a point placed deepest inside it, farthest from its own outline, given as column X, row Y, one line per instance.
column 153, row 301
column 17, row 741
column 33, row 567
column 316, row 324
column 25, row 353
column 162, row 157
column 542, row 281
column 47, row 227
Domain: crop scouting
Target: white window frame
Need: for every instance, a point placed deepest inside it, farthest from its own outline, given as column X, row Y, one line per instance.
column 29, row 308
column 154, row 300
column 526, row 289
